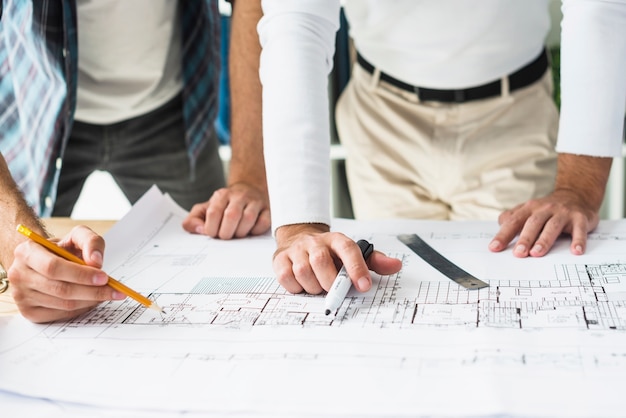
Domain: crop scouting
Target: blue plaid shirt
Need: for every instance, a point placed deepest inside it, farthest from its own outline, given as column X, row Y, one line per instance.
column 38, row 76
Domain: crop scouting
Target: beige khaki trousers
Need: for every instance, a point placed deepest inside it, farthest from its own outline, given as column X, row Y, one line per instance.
column 431, row 160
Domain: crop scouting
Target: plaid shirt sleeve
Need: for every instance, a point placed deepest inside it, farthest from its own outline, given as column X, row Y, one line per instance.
column 33, row 96
column 201, row 67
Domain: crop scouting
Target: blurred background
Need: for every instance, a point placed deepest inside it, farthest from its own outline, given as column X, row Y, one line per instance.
column 102, row 199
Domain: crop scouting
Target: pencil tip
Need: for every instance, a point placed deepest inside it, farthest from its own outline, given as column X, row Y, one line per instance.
column 156, row 308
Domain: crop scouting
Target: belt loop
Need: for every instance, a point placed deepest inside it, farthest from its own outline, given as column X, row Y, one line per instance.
column 375, row 79
column 418, row 96
column 505, row 89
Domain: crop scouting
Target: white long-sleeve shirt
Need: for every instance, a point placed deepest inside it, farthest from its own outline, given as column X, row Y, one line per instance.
column 451, row 44
column 593, row 77
column 448, row 44
column 298, row 39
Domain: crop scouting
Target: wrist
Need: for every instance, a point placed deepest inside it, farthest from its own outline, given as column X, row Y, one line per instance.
column 287, row 233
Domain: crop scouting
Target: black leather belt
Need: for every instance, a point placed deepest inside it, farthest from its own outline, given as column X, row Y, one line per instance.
column 520, row 78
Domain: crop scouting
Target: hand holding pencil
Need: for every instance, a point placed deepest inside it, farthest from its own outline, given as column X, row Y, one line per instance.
column 49, row 282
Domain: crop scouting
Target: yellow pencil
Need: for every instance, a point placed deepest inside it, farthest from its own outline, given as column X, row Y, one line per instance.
column 120, row 287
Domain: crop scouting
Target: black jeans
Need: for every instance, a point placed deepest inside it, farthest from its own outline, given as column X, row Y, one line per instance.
column 139, row 152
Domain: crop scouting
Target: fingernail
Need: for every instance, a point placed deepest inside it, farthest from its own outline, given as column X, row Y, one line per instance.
column 537, row 248
column 118, row 295
column 100, row 279
column 520, row 249
column 364, row 284
column 96, row 257
column 494, row 245
column 199, row 229
column 579, row 249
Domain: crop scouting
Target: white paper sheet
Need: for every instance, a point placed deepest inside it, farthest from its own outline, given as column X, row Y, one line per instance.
column 547, row 337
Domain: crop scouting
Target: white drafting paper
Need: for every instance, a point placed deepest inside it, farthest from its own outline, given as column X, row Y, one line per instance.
column 546, row 338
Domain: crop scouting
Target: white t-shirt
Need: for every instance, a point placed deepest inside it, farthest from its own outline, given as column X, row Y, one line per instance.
column 437, row 44
column 129, row 58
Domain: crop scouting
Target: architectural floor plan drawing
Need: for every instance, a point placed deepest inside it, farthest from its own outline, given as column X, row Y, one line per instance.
column 579, row 296
column 415, row 340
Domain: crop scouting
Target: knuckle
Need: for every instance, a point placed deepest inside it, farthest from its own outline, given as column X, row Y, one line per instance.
column 14, row 273
column 196, row 208
column 214, row 212
column 281, row 279
column 284, row 279
column 249, row 217
column 17, row 294
column 60, row 289
column 261, row 227
column 220, row 194
column 534, row 221
column 50, row 266
column 103, row 293
column 99, row 241
column 318, row 257
column 68, row 305
column 300, row 269
column 232, row 214
column 20, row 252
column 345, row 245
column 283, row 274
column 582, row 220
column 503, row 217
column 550, row 207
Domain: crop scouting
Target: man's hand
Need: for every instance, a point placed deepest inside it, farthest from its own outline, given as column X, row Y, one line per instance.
column 236, row 211
column 243, row 207
column 540, row 222
column 308, row 257
column 48, row 288
column 572, row 208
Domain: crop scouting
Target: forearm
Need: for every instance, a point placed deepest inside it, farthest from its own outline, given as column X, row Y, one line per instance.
column 583, row 176
column 13, row 211
column 247, row 164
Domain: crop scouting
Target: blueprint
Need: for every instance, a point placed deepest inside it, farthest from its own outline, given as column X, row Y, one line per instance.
column 577, row 296
column 233, row 341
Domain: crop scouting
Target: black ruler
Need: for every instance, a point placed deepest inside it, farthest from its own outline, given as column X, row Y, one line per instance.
column 445, row 266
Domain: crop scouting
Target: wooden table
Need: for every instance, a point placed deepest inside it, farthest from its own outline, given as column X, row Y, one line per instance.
column 58, row 227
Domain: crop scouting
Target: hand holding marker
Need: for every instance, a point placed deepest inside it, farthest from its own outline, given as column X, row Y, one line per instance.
column 342, row 283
